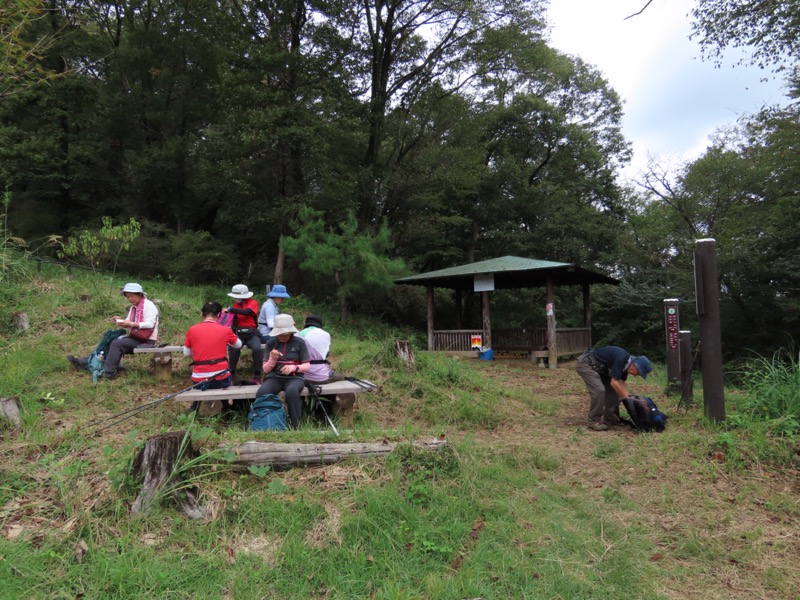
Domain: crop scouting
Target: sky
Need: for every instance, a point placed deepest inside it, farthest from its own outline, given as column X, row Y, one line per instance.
column 672, row 100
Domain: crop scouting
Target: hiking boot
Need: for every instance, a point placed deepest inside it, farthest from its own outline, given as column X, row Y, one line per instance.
column 597, row 426
column 78, row 363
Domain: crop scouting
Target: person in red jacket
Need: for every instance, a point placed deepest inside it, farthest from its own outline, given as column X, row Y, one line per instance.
column 207, row 343
column 245, row 311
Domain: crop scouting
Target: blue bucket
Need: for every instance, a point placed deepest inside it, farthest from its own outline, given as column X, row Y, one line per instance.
column 486, row 354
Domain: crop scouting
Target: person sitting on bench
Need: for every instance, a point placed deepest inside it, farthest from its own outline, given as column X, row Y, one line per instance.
column 287, row 361
column 245, row 310
column 207, row 343
column 319, row 343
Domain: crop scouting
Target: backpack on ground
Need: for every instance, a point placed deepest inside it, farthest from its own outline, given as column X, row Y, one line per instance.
column 94, row 363
column 267, row 414
column 644, row 414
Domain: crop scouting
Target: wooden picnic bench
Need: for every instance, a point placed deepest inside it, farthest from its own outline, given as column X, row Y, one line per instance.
column 248, row 392
column 162, row 358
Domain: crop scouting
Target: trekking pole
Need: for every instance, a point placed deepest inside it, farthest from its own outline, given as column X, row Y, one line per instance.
column 314, row 391
column 132, row 412
column 361, row 383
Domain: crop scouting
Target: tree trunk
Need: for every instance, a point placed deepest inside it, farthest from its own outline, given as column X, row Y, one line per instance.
column 10, row 410
column 159, row 463
column 278, row 276
column 271, row 453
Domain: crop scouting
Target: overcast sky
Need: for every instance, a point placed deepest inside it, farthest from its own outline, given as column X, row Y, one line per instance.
column 673, row 100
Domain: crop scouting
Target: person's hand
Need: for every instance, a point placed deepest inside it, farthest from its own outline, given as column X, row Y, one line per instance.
column 275, row 354
column 288, row 370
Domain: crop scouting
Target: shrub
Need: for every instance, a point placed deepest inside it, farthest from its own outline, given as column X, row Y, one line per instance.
column 198, row 257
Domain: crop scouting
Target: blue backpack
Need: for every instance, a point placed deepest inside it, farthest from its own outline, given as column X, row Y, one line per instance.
column 644, row 414
column 267, row 414
column 95, row 363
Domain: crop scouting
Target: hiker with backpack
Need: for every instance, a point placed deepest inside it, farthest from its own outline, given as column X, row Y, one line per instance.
column 319, row 343
column 245, row 311
column 287, row 362
column 141, row 324
column 207, row 343
column 605, row 372
column 270, row 309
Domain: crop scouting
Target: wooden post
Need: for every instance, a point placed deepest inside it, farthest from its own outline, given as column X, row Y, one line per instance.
column 459, row 308
column 552, row 344
column 671, row 330
column 587, row 311
column 487, row 321
column 10, row 409
column 162, row 366
column 707, row 294
column 158, row 463
column 686, row 368
column 430, row 317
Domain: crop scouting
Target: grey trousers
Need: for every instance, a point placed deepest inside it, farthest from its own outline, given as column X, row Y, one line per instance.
column 604, row 402
column 121, row 345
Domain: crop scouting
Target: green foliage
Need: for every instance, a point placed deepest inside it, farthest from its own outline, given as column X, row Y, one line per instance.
column 357, row 263
column 197, row 256
column 773, row 391
column 101, row 249
column 13, row 263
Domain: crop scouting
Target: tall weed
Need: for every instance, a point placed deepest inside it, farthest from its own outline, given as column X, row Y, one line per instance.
column 773, row 391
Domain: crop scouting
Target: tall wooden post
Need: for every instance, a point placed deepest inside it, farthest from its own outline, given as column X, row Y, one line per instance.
column 686, row 367
column 707, row 293
column 552, row 341
column 430, row 317
column 487, row 321
column 671, row 329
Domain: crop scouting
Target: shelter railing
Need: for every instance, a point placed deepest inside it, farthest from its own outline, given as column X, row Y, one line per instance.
column 569, row 340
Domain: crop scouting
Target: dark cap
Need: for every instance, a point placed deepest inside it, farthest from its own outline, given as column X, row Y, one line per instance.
column 314, row 321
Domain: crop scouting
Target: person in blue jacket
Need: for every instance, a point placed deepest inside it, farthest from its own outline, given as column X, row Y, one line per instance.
column 605, row 372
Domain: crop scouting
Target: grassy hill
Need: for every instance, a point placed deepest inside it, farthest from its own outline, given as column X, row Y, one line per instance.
column 523, row 503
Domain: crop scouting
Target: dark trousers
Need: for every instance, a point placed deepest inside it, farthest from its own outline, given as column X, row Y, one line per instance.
column 121, row 345
column 254, row 343
column 292, row 387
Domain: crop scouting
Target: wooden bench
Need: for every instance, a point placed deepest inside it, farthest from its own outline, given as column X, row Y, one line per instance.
column 248, row 392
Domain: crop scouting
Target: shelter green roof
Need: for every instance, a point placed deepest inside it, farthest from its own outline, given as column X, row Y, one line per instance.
column 510, row 272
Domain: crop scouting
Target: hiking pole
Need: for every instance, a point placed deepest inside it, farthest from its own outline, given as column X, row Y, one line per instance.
column 132, row 412
column 314, row 391
column 361, row 383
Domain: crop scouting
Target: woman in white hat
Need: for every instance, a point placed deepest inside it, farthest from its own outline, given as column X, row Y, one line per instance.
column 245, row 311
column 141, row 323
column 287, row 360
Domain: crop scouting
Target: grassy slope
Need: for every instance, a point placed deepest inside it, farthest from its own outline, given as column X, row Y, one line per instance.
column 525, row 504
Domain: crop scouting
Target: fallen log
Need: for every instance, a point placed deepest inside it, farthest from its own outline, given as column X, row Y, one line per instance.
column 283, row 454
column 10, row 410
column 159, row 462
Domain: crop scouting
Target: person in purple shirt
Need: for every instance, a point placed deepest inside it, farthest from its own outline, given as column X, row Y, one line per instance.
column 605, row 372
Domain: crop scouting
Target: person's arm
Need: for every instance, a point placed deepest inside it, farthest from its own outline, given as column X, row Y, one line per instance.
column 234, row 341
column 150, row 316
column 248, row 312
column 620, row 387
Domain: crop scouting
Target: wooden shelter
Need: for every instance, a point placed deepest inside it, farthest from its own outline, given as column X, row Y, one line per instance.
column 512, row 272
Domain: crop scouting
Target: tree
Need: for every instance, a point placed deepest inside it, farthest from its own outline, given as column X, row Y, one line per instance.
column 357, row 264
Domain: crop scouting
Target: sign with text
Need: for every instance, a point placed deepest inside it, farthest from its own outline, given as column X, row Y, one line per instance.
column 484, row 282
column 672, row 331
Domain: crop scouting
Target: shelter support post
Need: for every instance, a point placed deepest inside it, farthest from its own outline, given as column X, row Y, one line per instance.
column 430, row 317
column 486, row 319
column 587, row 310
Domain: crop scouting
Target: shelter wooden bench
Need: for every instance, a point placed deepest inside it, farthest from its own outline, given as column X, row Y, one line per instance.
column 248, row 392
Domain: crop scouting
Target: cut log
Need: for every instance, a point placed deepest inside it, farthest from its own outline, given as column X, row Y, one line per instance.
column 158, row 462
column 10, row 409
column 281, row 454
column 21, row 322
column 404, row 351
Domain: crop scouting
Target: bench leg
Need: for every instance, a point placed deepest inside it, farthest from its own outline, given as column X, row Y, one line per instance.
column 162, row 366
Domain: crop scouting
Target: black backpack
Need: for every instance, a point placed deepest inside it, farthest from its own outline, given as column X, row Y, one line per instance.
column 644, row 414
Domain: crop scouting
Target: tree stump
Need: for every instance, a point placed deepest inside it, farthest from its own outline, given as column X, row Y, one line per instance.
column 10, row 409
column 404, row 351
column 158, row 462
column 21, row 322
column 162, row 366
column 282, row 454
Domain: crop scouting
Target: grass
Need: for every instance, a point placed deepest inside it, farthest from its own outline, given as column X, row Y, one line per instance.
column 523, row 503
